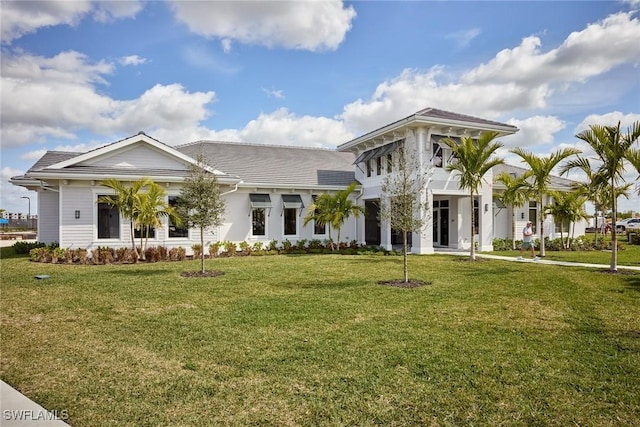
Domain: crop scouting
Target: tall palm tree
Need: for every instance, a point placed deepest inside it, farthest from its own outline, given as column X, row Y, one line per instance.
column 634, row 159
column 151, row 208
column 612, row 148
column 125, row 200
column 540, row 171
column 474, row 160
column 567, row 208
column 516, row 194
column 334, row 209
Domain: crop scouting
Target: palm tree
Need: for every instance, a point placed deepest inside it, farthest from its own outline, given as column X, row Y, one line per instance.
column 566, row 208
column 516, row 194
column 334, row 209
column 475, row 159
column 612, row 148
column 595, row 188
column 125, row 200
column 540, row 171
column 151, row 208
column 634, row 159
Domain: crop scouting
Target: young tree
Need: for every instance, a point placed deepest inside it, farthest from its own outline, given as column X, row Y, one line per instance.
column 151, row 208
column 125, row 200
column 516, row 194
column 334, row 209
column 475, row 159
column 403, row 205
column 612, row 148
column 541, row 168
column 200, row 204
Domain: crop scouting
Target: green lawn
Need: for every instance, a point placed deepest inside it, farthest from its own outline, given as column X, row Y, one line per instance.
column 314, row 340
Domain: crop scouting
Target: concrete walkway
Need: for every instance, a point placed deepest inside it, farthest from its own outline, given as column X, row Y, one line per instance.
column 541, row 261
column 17, row 410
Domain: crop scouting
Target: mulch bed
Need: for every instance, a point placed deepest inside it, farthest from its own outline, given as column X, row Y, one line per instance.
column 400, row 283
column 206, row 273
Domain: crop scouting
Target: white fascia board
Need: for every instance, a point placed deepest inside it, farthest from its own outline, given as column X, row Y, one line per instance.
column 267, row 186
column 225, row 179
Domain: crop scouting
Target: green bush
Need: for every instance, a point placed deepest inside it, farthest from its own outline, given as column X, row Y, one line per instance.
column 23, row 248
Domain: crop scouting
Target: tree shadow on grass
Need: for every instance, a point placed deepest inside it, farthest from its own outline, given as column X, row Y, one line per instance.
column 633, row 280
column 140, row 273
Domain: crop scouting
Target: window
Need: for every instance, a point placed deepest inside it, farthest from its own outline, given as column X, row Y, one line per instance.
column 290, row 205
column 290, row 222
column 258, row 222
column 139, row 232
column 320, row 230
column 259, row 205
column 108, row 221
column 533, row 214
column 389, row 162
column 174, row 230
column 476, row 217
column 437, row 155
column 379, row 166
column 369, row 168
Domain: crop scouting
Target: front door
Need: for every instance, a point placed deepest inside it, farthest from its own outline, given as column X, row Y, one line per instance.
column 372, row 222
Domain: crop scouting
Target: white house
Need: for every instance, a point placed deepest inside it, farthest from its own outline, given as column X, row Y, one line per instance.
column 267, row 189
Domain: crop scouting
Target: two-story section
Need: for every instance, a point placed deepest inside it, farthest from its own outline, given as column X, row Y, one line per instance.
column 447, row 205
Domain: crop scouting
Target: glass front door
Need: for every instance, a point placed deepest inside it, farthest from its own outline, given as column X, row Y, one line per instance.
column 441, row 222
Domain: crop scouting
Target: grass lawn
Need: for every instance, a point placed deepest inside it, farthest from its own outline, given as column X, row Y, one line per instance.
column 314, row 340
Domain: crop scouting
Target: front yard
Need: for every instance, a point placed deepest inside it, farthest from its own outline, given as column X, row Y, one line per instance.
column 314, row 340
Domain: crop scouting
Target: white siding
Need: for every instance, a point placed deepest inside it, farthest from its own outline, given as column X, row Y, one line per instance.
column 76, row 233
column 139, row 156
column 48, row 217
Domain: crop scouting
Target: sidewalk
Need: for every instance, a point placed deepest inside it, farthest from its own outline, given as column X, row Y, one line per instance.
column 17, row 410
column 541, row 261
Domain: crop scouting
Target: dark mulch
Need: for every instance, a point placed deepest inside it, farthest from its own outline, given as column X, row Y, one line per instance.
column 206, row 273
column 400, row 283
column 621, row 272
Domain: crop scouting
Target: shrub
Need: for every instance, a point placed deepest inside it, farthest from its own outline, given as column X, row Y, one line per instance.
column 214, row 249
column 197, row 251
column 502, row 244
column 287, row 246
column 315, row 244
column 177, row 254
column 102, row 255
column 40, row 254
column 57, row 254
column 81, row 255
column 229, row 247
column 257, row 247
column 273, row 245
column 23, row 248
column 245, row 247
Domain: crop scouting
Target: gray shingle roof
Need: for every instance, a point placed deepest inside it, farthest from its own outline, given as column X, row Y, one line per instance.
column 555, row 183
column 253, row 163
column 273, row 164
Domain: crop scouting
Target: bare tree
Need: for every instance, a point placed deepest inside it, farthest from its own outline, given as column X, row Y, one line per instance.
column 403, row 203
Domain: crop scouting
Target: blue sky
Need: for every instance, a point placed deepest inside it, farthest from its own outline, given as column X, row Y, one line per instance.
column 80, row 74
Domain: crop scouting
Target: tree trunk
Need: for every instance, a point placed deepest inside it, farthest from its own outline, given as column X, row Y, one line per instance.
column 472, row 256
column 514, row 232
column 614, row 231
column 404, row 256
column 201, row 249
column 133, row 241
column 542, row 251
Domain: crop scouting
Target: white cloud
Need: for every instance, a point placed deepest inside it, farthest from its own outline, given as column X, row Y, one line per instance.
column 518, row 79
column 595, row 50
column 534, row 131
column 463, row 38
column 11, row 194
column 276, row 93
column 55, row 97
column 279, row 127
column 609, row 119
column 132, row 60
column 304, row 25
column 23, row 17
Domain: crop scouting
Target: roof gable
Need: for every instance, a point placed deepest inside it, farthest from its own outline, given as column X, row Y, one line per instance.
column 124, row 154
